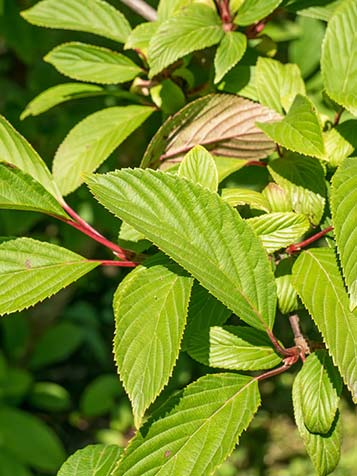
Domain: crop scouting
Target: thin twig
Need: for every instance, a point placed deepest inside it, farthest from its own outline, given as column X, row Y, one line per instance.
column 297, row 247
column 142, row 8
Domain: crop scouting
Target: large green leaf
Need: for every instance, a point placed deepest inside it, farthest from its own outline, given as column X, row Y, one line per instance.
column 223, row 123
column 324, row 450
column 19, row 191
column 14, row 149
column 229, row 52
column 321, row 386
column 199, row 166
column 278, row 230
column 339, row 54
column 193, row 28
column 93, row 460
column 254, row 10
column 31, row 271
column 92, row 63
column 344, row 214
column 10, row 466
column 300, row 130
column 59, row 94
column 278, row 84
column 303, row 178
column 319, row 283
column 235, row 348
column 150, row 308
column 199, row 430
column 92, row 16
column 199, row 231
column 91, row 141
column 29, row 440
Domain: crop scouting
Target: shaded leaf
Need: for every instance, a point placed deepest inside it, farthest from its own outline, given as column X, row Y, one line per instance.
column 31, row 271
column 240, row 80
column 49, row 397
column 199, row 430
column 229, row 53
column 337, row 147
column 100, row 395
column 92, row 63
column 168, row 96
column 254, row 10
column 242, row 196
column 92, row 16
column 10, row 466
column 92, row 140
column 93, row 460
column 199, row 166
column 287, row 295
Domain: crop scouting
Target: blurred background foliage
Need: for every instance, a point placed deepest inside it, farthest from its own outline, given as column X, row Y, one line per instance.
column 59, row 390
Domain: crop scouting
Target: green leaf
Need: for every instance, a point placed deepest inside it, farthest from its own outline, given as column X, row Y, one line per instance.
column 29, row 440
column 193, row 28
column 198, row 165
column 99, row 397
column 150, row 308
column 240, row 80
column 318, row 281
column 278, row 230
column 242, row 196
column 31, row 271
column 140, row 37
column 50, row 397
column 337, row 147
column 15, row 150
column 343, row 204
column 93, row 460
column 323, row 13
column 278, row 84
column 278, row 198
column 234, row 348
column 58, row 95
column 199, row 430
column 19, row 191
column 92, row 140
column 303, row 178
column 254, row 10
column 168, row 8
column 324, row 450
column 299, row 131
column 287, row 296
column 229, row 52
column 131, row 239
column 11, row 467
column 321, row 387
column 222, row 123
column 199, row 231
column 14, row 385
column 168, row 96
column 92, row 63
column 92, row 16
column 339, row 53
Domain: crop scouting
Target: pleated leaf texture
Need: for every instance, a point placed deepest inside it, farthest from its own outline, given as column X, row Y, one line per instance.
column 200, row 429
column 31, row 271
column 93, row 460
column 344, row 215
column 150, row 308
column 200, row 232
column 318, row 281
column 92, row 16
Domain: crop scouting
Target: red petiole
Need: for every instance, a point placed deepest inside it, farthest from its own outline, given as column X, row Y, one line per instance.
column 298, row 246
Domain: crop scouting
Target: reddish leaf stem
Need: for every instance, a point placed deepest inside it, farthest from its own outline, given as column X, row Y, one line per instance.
column 287, row 363
column 298, row 246
column 338, row 116
column 125, row 264
column 225, row 14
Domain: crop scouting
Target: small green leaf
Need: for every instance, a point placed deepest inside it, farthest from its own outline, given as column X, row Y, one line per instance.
column 321, row 387
column 93, row 460
column 240, row 80
column 278, row 230
column 324, row 450
column 92, row 140
column 198, row 165
column 49, row 397
column 140, row 37
column 131, row 239
column 242, row 196
column 287, row 295
column 199, row 231
column 234, row 348
column 339, row 52
column 318, row 281
column 149, row 329
column 229, row 52
column 92, row 63
column 169, row 8
column 337, row 147
column 200, row 429
column 278, row 198
column 254, row 10
column 101, row 395
column 58, row 95
column 299, row 131
column 31, row 271
column 92, row 16
column 344, row 214
column 193, row 28
column 19, row 191
column 168, row 96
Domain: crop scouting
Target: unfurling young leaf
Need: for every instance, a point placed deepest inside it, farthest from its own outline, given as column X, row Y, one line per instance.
column 229, row 53
column 252, row 11
column 199, row 166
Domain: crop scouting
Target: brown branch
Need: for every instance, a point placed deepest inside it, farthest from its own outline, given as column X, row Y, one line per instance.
column 297, row 246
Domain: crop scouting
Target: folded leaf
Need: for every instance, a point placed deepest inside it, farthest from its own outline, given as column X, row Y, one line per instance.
column 337, row 147
column 318, row 281
column 92, row 16
column 92, row 63
column 254, row 10
column 31, row 271
column 229, row 52
column 199, row 231
column 91, row 141
column 199, row 166
column 150, row 308
column 279, row 198
column 93, row 460
column 287, row 295
column 242, row 196
column 344, row 214
column 200, row 428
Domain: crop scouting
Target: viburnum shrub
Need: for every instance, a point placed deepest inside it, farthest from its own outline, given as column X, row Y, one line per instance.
column 206, row 244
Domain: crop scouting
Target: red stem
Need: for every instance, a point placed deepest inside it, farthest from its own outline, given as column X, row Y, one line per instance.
column 125, row 264
column 297, row 246
column 288, row 362
column 338, row 116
